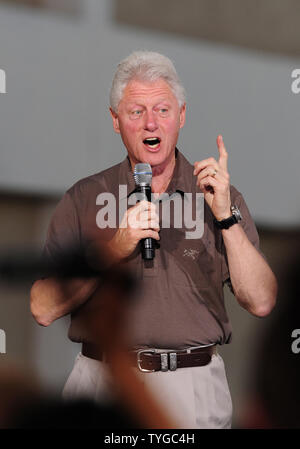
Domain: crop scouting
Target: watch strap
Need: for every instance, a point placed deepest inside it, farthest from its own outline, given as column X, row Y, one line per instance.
column 226, row 223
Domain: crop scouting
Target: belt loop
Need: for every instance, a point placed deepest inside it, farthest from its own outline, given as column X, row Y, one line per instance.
column 164, row 362
column 173, row 361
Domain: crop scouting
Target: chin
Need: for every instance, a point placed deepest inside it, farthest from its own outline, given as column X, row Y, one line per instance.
column 157, row 158
column 154, row 161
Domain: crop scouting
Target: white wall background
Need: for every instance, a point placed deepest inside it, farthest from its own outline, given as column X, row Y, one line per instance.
column 55, row 127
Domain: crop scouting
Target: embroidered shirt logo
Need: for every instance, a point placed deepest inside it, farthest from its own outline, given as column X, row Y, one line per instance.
column 192, row 253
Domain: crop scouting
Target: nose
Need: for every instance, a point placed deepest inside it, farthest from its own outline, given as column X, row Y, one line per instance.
column 150, row 121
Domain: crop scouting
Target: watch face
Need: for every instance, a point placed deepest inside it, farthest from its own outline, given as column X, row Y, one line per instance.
column 236, row 212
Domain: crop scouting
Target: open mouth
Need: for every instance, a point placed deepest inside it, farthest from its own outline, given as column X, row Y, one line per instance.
column 152, row 142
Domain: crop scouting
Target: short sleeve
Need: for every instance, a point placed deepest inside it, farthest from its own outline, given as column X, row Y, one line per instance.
column 248, row 226
column 63, row 235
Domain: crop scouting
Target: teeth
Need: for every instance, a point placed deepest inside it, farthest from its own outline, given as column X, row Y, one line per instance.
column 152, row 141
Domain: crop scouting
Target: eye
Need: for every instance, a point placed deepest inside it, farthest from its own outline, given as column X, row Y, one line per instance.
column 163, row 111
column 136, row 114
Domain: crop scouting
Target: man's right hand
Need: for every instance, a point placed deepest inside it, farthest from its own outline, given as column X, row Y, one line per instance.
column 139, row 222
column 52, row 298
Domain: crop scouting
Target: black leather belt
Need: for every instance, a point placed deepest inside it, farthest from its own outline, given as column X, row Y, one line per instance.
column 150, row 360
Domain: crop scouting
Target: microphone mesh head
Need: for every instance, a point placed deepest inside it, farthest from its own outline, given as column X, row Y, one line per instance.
column 142, row 174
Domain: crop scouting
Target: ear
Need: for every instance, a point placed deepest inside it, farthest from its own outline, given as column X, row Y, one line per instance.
column 182, row 115
column 115, row 120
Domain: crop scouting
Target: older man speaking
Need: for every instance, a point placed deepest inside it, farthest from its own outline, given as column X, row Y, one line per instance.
column 178, row 317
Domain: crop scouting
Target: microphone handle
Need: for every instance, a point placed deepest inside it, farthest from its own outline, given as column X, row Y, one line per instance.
column 148, row 244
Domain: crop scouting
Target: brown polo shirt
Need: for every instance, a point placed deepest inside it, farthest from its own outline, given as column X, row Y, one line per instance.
column 179, row 301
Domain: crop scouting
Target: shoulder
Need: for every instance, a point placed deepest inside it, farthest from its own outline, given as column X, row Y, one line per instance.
column 238, row 199
column 184, row 163
column 235, row 194
column 104, row 180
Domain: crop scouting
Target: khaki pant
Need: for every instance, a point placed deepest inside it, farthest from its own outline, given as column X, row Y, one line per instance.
column 195, row 397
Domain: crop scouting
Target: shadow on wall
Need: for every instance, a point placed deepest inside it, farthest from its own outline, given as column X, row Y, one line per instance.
column 72, row 7
column 274, row 395
column 215, row 21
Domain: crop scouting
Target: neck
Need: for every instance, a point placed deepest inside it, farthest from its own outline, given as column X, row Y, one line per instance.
column 161, row 176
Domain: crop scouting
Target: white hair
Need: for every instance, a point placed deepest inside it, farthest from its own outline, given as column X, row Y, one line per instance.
column 145, row 66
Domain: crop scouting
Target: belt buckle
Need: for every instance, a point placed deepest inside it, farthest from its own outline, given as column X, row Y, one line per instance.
column 139, row 361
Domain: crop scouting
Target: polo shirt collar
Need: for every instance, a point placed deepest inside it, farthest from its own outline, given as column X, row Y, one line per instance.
column 180, row 181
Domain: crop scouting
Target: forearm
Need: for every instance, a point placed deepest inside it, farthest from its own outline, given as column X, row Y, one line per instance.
column 253, row 282
column 53, row 298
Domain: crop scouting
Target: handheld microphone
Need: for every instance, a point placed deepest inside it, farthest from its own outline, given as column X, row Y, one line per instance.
column 143, row 177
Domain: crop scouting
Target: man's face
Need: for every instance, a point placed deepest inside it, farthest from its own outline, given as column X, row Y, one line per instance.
column 149, row 119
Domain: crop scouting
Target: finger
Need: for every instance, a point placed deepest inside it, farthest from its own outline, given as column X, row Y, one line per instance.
column 142, row 220
column 200, row 165
column 221, row 176
column 142, row 206
column 208, row 171
column 207, row 182
column 143, row 210
column 149, row 215
column 223, row 158
column 148, row 224
column 149, row 233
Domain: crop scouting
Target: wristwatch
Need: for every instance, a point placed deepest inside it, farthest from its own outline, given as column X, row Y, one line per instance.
column 228, row 222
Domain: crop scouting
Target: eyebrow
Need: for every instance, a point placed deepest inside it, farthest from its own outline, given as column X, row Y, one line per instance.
column 163, row 101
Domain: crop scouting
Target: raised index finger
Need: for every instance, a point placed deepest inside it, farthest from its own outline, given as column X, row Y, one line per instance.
column 222, row 152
